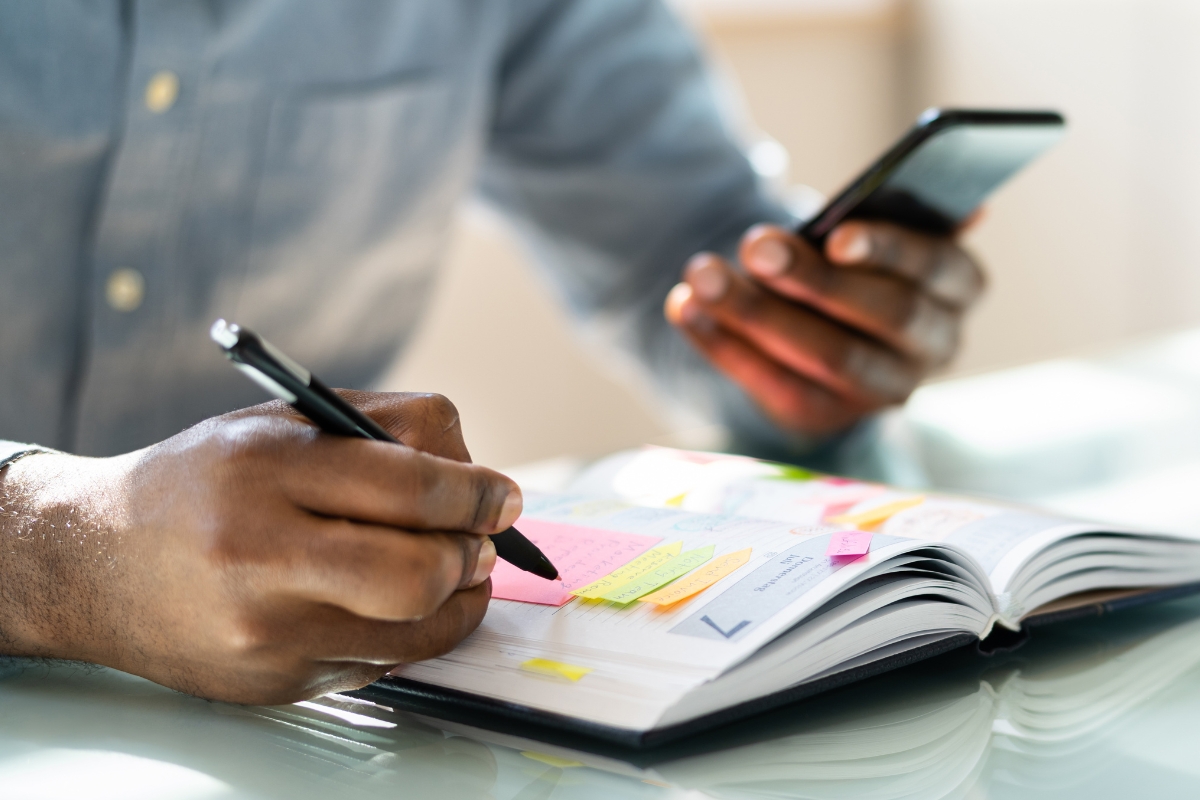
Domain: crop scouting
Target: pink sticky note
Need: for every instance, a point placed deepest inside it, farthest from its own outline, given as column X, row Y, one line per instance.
column 849, row 543
column 582, row 555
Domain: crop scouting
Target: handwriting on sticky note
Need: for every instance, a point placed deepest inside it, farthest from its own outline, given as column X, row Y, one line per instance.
column 877, row 515
column 544, row 666
column 650, row 560
column 581, row 554
column 699, row 580
column 844, row 544
column 681, row 564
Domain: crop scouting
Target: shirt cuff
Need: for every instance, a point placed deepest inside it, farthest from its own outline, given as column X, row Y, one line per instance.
column 15, row 451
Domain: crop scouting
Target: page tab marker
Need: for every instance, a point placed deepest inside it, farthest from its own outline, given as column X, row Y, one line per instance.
column 877, row 515
column 647, row 562
column 844, row 544
column 699, row 580
column 679, row 565
column 556, row 669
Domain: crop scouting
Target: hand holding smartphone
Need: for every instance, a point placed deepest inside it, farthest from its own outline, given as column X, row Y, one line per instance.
column 847, row 314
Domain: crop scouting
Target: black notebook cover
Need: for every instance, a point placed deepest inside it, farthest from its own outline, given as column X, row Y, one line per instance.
column 484, row 712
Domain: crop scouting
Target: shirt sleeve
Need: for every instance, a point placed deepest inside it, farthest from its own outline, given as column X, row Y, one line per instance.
column 609, row 152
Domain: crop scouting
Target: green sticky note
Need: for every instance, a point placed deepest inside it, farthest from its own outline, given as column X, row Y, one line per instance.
column 788, row 472
column 642, row 565
column 676, row 567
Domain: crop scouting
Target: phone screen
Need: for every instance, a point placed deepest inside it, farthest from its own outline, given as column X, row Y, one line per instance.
column 940, row 173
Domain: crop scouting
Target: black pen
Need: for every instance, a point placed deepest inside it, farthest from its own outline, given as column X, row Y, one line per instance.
column 263, row 363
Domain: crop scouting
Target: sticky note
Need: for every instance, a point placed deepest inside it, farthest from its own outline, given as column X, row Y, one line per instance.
column 636, row 568
column 849, row 543
column 877, row 515
column 581, row 554
column 699, row 580
column 554, row 761
column 680, row 565
column 544, row 666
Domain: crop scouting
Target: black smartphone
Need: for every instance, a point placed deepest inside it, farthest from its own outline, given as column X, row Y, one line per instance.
column 941, row 170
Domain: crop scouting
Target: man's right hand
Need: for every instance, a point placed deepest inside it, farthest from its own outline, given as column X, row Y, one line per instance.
column 252, row 558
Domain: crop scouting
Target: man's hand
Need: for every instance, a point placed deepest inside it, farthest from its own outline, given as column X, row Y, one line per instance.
column 252, row 558
column 822, row 341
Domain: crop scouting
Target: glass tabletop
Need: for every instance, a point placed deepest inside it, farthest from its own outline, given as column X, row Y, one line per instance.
column 1108, row 707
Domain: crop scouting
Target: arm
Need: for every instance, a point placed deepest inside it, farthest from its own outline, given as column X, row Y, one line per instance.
column 252, row 558
column 608, row 149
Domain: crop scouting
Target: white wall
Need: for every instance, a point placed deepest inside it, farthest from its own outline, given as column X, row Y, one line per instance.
column 1097, row 244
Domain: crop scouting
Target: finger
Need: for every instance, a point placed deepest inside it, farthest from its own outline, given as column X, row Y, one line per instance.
column 890, row 308
column 391, row 484
column 799, row 338
column 937, row 264
column 333, row 634
column 790, row 400
column 370, row 571
column 427, row 422
column 972, row 221
column 296, row 650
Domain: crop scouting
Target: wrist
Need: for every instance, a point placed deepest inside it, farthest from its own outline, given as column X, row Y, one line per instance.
column 52, row 554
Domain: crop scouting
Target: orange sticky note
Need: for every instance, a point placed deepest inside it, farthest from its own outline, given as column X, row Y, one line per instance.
column 699, row 580
column 877, row 515
column 849, row 544
column 582, row 555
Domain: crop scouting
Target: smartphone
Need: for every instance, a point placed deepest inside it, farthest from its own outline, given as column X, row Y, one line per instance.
column 941, row 170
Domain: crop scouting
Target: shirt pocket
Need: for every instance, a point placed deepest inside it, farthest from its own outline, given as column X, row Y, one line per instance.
column 355, row 197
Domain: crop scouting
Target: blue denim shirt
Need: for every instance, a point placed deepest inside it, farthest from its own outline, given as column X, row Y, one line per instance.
column 301, row 179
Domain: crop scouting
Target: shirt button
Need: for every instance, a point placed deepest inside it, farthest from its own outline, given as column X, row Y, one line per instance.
column 125, row 289
column 162, row 91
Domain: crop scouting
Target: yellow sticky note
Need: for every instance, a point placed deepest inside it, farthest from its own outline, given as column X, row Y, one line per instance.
column 554, row 761
column 699, row 580
column 877, row 515
column 681, row 564
column 650, row 560
column 544, row 666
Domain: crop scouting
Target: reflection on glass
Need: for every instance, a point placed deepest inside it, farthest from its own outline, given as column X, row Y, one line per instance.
column 1095, row 709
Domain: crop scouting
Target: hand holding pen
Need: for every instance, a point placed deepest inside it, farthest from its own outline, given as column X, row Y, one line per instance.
column 252, row 558
column 284, row 378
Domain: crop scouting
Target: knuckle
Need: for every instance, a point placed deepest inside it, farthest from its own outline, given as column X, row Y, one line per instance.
column 878, row 373
column 482, row 493
column 441, row 410
column 247, row 635
column 899, row 305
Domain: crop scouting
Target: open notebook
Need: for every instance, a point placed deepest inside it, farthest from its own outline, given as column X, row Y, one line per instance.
column 698, row 588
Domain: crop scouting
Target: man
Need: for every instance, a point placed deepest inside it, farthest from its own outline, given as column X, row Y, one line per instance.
column 294, row 166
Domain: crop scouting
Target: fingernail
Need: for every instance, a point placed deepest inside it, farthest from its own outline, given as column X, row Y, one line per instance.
column 675, row 307
column 510, row 511
column 709, row 280
column 769, row 258
column 849, row 245
column 485, row 563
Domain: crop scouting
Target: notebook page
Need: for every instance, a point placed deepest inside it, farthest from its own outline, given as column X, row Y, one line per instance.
column 999, row 538
column 638, row 658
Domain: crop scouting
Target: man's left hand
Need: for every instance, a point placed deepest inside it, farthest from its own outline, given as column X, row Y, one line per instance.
column 820, row 340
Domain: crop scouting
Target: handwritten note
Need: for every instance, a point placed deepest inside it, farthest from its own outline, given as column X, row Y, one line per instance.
column 636, row 568
column 849, row 544
column 699, row 580
column 680, row 565
column 581, row 554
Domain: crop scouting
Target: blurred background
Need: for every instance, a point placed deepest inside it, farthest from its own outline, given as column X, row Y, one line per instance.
column 1091, row 248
